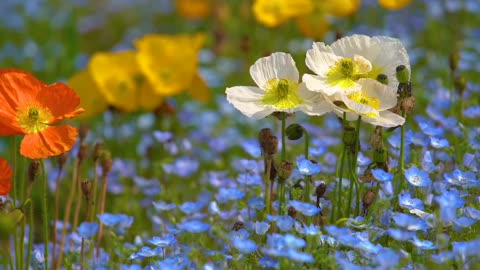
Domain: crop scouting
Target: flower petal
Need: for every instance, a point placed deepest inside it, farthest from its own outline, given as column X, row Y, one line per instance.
column 386, row 119
column 53, row 141
column 61, row 100
column 246, row 99
column 386, row 94
column 320, row 58
column 5, row 177
column 278, row 65
column 315, row 103
column 319, row 84
column 90, row 96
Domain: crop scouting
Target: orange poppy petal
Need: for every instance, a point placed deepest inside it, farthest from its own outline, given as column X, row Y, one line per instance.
column 6, row 173
column 53, row 141
column 17, row 88
column 9, row 130
column 61, row 100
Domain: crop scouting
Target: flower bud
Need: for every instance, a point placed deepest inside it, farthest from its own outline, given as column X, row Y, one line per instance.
column 82, row 152
column 380, row 155
column 382, row 78
column 285, row 170
column 292, row 212
column 271, row 145
column 87, row 189
column 408, row 104
column 33, row 170
column 61, row 160
column 106, row 162
column 368, row 199
column 294, row 132
column 263, row 137
column 97, row 150
column 320, row 190
column 402, row 74
column 296, row 192
column 83, row 132
column 460, row 84
column 238, row 226
column 454, row 58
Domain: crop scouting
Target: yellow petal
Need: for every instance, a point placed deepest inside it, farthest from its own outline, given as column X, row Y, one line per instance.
column 194, row 9
column 169, row 62
column 272, row 13
column 91, row 99
column 343, row 8
column 199, row 89
column 394, row 4
column 149, row 100
column 116, row 74
column 313, row 26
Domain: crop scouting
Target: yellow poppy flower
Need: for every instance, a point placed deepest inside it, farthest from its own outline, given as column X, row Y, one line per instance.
column 199, row 89
column 121, row 82
column 91, row 99
column 342, row 8
column 394, row 4
column 272, row 13
column 194, row 9
column 169, row 62
column 314, row 25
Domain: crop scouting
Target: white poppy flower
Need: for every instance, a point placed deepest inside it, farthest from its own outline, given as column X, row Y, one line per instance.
column 278, row 90
column 338, row 67
column 371, row 102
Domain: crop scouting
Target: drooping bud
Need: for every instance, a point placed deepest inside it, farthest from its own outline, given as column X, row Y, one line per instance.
column 82, row 152
column 97, row 149
column 238, row 226
column 294, row 132
column 460, row 84
column 454, row 59
column 271, row 145
column 382, row 78
column 33, row 170
column 285, row 170
column 83, row 132
column 106, row 162
column 87, row 189
column 320, row 190
column 292, row 212
column 368, row 199
column 61, row 160
column 380, row 155
column 402, row 74
column 263, row 137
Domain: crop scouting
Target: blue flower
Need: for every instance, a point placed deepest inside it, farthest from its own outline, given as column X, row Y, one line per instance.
column 261, row 227
column 305, row 208
column 382, row 175
column 417, row 178
column 423, row 244
column 252, row 148
column 146, row 252
column 183, row 166
column 285, row 223
column 191, row 207
column 472, row 112
column 257, row 203
column 244, row 245
column 409, row 222
column 387, row 258
column 163, row 241
column 400, row 235
column 268, row 262
column 300, row 256
column 472, row 212
column 163, row 206
column 87, row 229
column 194, row 226
column 427, row 162
column 449, row 202
column 470, row 162
column 462, row 179
column 307, row 167
column 464, row 222
column 111, row 220
column 438, row 143
column 229, row 194
column 406, row 201
column 162, row 137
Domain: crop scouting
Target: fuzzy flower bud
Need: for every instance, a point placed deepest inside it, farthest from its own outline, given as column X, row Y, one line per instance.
column 382, row 78
column 271, row 146
column 285, row 170
column 294, row 132
column 402, row 74
column 263, row 137
column 106, row 162
column 33, row 170
column 97, row 149
column 292, row 212
column 87, row 189
column 61, row 160
column 380, row 155
column 82, row 152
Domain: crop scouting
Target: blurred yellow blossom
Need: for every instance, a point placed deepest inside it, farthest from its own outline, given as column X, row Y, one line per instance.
column 169, row 62
column 315, row 25
column 394, row 4
column 342, row 8
column 121, row 82
column 91, row 99
column 194, row 9
column 272, row 13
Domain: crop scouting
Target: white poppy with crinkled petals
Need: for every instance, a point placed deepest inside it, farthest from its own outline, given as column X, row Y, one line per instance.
column 338, row 67
column 371, row 102
column 278, row 90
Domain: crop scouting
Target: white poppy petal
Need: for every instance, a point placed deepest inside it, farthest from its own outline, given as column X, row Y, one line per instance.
column 246, row 99
column 352, row 45
column 320, row 58
column 278, row 65
column 386, row 119
column 314, row 103
column 319, row 84
column 385, row 94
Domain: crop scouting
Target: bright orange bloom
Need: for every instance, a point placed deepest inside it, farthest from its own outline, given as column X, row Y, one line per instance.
column 31, row 107
column 5, row 176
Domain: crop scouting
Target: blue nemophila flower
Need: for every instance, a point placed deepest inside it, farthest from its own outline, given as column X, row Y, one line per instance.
column 244, row 245
column 163, row 206
column 466, row 249
column 427, row 162
column 387, row 258
column 261, row 227
column 428, row 126
column 240, row 234
column 285, row 223
column 463, row 222
column 165, row 241
column 252, row 148
column 470, row 162
column 406, row 201
column 311, row 229
column 249, row 179
column 439, row 143
column 472, row 212
column 229, row 194
column 472, row 111
column 400, row 235
column 462, row 179
column 423, row 244
column 449, row 202
column 268, row 263
column 194, row 226
column 307, row 167
column 191, row 207
column 409, row 222
column 305, row 208
column 443, row 257
column 146, row 252
column 300, row 256
column 417, row 177
column 246, row 166
column 257, row 203
column 183, row 166
column 87, row 229
column 382, row 175
column 162, row 136
column 111, row 220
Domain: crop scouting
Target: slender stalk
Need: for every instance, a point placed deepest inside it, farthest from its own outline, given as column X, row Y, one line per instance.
column 102, row 210
column 66, row 215
column 45, row 213
column 340, row 181
column 268, row 201
column 78, row 205
column 354, row 180
column 30, row 236
column 350, row 191
column 306, row 197
column 284, row 157
column 401, row 162
column 94, row 193
column 57, row 209
column 15, row 198
column 82, row 250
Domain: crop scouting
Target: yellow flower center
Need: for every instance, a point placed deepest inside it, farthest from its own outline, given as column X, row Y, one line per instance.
column 34, row 117
column 346, row 71
column 282, row 94
column 365, row 99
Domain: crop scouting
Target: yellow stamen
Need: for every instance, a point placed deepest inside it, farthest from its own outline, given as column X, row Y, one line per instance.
column 282, row 94
column 363, row 98
column 34, row 117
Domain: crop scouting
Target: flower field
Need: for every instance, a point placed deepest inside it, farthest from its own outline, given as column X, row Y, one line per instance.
column 256, row 134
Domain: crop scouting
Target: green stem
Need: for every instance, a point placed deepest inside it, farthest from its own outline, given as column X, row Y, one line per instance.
column 30, row 236
column 268, row 205
column 45, row 212
column 307, row 142
column 350, row 191
column 284, row 143
column 340, row 181
column 401, row 164
column 355, row 181
column 15, row 171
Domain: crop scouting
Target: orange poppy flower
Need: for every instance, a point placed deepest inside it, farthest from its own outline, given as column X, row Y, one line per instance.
column 5, row 176
column 31, row 107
